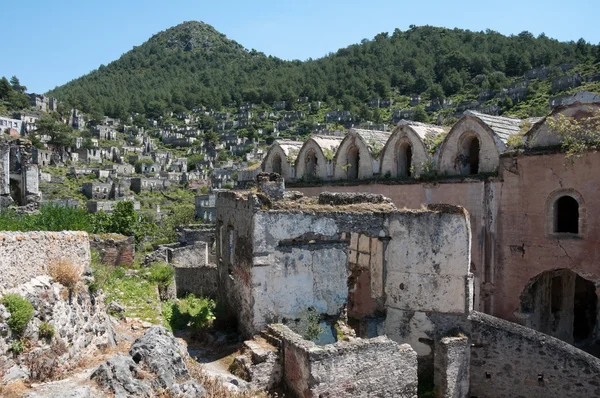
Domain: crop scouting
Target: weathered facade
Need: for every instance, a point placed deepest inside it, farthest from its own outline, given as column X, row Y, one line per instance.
column 543, row 274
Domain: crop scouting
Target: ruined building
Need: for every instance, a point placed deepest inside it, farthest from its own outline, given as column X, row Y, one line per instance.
column 19, row 177
column 533, row 214
column 400, row 278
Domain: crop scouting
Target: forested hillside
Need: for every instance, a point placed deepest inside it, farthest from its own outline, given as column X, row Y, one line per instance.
column 192, row 64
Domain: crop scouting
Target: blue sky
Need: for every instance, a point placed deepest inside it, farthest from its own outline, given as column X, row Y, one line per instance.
column 48, row 43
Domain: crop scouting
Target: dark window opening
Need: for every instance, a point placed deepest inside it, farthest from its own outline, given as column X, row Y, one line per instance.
column 566, row 215
column 353, row 163
column 277, row 164
column 473, row 157
column 584, row 309
column 404, row 160
column 311, row 165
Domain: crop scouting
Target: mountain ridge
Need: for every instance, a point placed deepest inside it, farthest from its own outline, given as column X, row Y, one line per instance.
column 193, row 64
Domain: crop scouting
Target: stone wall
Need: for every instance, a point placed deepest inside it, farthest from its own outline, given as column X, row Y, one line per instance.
column 24, row 255
column 508, row 360
column 375, row 367
column 193, row 273
column 114, row 250
column 451, row 367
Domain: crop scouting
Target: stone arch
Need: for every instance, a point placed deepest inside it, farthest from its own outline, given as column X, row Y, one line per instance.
column 563, row 304
column 394, row 161
column 541, row 135
column 276, row 159
column 453, row 155
column 565, row 214
column 353, row 159
column 311, row 162
column 470, row 149
column 404, row 159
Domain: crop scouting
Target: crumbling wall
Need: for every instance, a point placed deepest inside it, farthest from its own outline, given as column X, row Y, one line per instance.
column 375, row 367
column 451, row 367
column 509, row 360
column 114, row 250
column 292, row 276
column 24, row 255
column 193, row 273
column 234, row 250
column 427, row 260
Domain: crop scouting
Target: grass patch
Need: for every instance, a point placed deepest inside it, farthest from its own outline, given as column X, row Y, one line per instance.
column 135, row 293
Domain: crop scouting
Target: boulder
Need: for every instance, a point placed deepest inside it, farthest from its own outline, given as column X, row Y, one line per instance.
column 162, row 358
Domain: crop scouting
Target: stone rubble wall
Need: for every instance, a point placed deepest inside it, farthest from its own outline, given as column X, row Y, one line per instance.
column 81, row 325
column 509, row 360
column 25, row 255
column 193, row 273
column 114, row 252
column 375, row 367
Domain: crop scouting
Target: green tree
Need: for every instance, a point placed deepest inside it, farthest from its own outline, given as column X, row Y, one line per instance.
column 60, row 134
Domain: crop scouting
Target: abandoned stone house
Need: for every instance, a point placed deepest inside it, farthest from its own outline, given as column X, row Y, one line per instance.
column 534, row 216
column 19, row 177
column 404, row 274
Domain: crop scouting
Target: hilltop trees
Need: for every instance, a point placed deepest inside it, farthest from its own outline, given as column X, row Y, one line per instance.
column 166, row 74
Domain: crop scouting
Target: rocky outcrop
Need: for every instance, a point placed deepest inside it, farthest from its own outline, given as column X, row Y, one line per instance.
column 156, row 363
column 80, row 327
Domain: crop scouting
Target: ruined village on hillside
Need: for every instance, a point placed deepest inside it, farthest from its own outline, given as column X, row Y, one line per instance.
column 324, row 255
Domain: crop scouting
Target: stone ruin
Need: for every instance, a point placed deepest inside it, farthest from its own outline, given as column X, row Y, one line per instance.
column 399, row 279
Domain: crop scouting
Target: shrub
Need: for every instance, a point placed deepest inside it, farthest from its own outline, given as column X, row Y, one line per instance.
column 46, row 330
column 161, row 274
column 65, row 272
column 17, row 347
column 21, row 312
column 196, row 313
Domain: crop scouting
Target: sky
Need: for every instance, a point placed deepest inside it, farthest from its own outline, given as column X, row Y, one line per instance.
column 48, row 43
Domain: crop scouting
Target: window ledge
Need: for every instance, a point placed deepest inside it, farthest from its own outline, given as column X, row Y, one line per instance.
column 565, row 236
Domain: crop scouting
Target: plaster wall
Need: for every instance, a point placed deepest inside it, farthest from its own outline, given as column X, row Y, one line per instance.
column 481, row 200
column 526, row 243
column 25, row 255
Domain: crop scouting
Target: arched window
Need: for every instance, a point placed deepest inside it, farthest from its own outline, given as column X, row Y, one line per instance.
column 276, row 164
column 404, row 159
column 353, row 159
column 311, row 165
column 473, row 156
column 566, row 215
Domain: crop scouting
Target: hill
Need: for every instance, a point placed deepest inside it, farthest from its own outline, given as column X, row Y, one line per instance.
column 192, row 64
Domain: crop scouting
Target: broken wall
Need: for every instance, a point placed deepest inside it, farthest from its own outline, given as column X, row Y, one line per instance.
column 234, row 250
column 509, row 360
column 193, row 273
column 480, row 198
column 24, row 255
column 427, row 260
column 375, row 367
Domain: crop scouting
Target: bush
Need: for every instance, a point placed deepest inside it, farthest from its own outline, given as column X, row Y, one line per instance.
column 161, row 274
column 17, row 347
column 46, row 331
column 65, row 272
column 196, row 313
column 21, row 312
